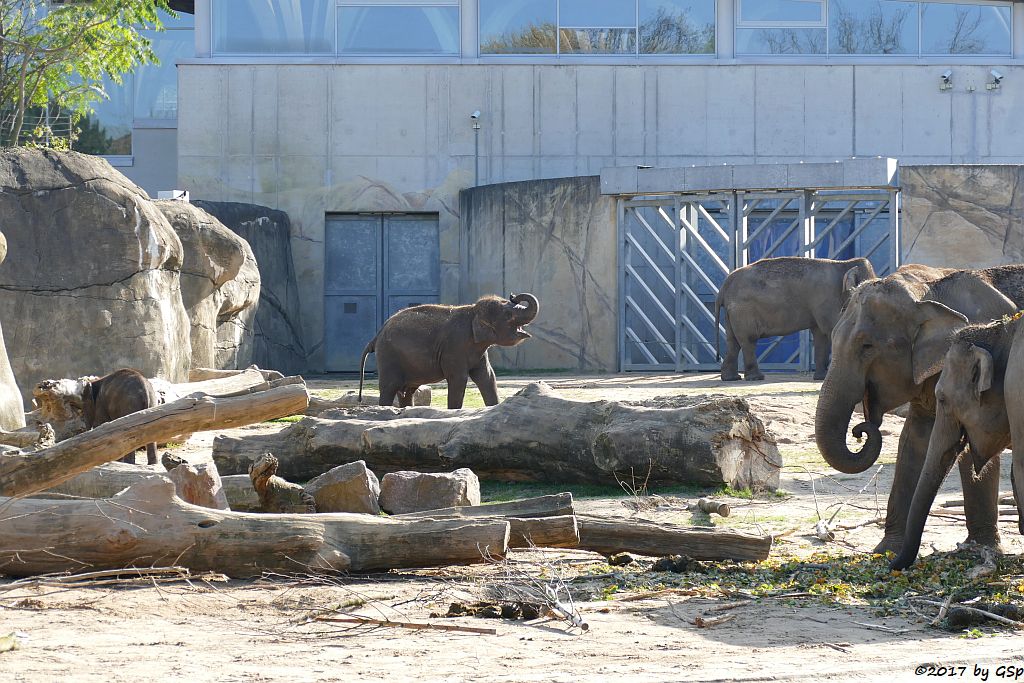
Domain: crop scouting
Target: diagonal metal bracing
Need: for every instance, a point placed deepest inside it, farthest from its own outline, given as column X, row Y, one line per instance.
column 654, row 235
column 770, row 251
column 652, row 328
column 863, row 226
column 713, row 223
column 642, row 345
column 650, row 262
column 654, row 297
column 766, row 223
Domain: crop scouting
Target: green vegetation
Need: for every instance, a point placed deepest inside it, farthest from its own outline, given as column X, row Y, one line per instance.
column 287, row 420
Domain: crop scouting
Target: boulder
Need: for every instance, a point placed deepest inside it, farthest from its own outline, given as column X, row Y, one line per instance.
column 12, row 411
column 220, row 285
column 278, row 326
column 346, row 488
column 93, row 282
column 242, row 497
column 199, row 484
column 405, row 491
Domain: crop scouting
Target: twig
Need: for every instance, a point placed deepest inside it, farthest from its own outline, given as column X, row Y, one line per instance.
column 701, row 622
column 975, row 610
column 731, row 605
column 942, row 611
column 883, row 627
column 657, row 594
column 409, row 624
column 850, row 527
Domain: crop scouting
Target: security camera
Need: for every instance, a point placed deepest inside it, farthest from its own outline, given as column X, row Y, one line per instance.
column 475, row 115
column 946, row 80
column 997, row 78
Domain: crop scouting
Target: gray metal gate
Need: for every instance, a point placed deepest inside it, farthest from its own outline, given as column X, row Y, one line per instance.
column 374, row 265
column 677, row 249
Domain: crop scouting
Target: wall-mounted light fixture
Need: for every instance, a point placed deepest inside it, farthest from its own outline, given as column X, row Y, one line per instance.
column 475, row 116
column 997, row 79
column 946, row 80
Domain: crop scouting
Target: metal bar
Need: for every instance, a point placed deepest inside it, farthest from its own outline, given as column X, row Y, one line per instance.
column 752, row 206
column 863, row 226
column 623, row 246
column 832, row 224
column 896, row 248
column 711, row 252
column 650, row 231
column 768, row 221
column 713, row 222
column 642, row 345
column 877, row 245
column 690, row 293
column 701, row 274
column 654, row 330
column 651, row 294
column 677, row 211
column 782, row 238
column 646, row 257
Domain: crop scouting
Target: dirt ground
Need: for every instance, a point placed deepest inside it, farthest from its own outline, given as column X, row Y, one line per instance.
column 258, row 630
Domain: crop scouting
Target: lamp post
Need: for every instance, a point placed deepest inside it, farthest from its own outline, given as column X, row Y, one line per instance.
column 476, row 147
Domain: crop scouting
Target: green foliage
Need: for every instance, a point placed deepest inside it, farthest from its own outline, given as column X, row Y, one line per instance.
column 287, row 420
column 59, row 57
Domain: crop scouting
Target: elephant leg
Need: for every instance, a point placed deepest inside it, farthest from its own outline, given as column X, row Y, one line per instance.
column 822, row 352
column 387, row 394
column 1017, row 480
column 405, row 397
column 913, row 448
column 751, row 371
column 981, row 502
column 456, row 389
column 731, row 360
column 151, row 454
column 483, row 377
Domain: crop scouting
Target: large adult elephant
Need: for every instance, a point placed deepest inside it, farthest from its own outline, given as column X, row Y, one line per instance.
column 887, row 349
column 431, row 342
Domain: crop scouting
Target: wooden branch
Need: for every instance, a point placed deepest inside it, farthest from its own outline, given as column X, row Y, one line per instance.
column 713, row 507
column 25, row 474
column 419, row 626
column 1005, row 499
column 540, row 532
column 609, row 536
column 202, row 374
column 554, row 505
column 147, row 525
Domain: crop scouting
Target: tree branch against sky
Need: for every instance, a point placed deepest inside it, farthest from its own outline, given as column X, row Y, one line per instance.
column 62, row 54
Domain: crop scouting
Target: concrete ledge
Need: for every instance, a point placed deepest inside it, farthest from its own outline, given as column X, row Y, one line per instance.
column 869, row 172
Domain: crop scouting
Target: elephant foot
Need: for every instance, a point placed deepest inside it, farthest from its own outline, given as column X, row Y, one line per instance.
column 754, row 377
column 820, row 376
column 731, row 378
column 989, row 542
column 889, row 544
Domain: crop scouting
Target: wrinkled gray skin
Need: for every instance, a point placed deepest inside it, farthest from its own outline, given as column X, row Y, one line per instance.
column 120, row 393
column 778, row 296
column 887, row 349
column 431, row 342
column 969, row 402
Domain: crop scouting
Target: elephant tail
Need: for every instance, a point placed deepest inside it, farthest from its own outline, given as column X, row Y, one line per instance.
column 362, row 365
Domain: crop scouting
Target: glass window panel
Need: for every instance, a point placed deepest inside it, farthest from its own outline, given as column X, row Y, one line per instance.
column 109, row 129
column 598, row 41
column 877, row 27
column 156, row 85
column 518, row 27
column 782, row 11
column 680, row 27
column 948, row 29
column 780, row 41
column 405, row 29
column 273, row 27
column 596, row 13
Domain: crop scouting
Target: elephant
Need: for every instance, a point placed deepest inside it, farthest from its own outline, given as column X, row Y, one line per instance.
column 120, row 393
column 887, row 349
column 430, row 342
column 778, row 296
column 970, row 405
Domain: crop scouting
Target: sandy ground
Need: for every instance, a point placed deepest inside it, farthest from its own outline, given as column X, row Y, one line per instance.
column 257, row 631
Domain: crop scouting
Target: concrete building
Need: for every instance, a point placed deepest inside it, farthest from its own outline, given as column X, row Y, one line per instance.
column 364, row 121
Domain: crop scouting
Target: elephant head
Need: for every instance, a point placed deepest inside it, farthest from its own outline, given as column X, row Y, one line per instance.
column 500, row 321
column 969, row 407
column 886, row 344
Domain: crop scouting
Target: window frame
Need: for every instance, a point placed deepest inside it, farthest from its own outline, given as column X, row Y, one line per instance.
column 398, row 3
column 738, row 23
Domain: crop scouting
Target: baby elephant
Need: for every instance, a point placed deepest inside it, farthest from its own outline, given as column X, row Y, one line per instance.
column 779, row 296
column 978, row 403
column 431, row 342
column 120, row 393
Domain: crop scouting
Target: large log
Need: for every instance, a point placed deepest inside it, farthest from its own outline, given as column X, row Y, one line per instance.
column 147, row 525
column 532, row 436
column 421, row 397
column 610, row 536
column 26, row 474
column 201, row 374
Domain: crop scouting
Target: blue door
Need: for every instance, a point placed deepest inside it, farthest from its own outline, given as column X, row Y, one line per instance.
column 374, row 266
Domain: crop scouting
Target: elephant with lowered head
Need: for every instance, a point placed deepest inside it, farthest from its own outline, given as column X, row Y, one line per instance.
column 431, row 342
column 779, row 296
column 971, row 404
column 887, row 349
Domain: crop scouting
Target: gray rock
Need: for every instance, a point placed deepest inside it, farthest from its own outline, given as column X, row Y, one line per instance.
column 347, row 488
column 406, row 491
column 93, row 279
column 199, row 484
column 12, row 412
column 278, row 341
column 220, row 285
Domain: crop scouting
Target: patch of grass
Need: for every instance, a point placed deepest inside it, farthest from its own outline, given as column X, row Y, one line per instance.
column 286, row 420
column 745, row 494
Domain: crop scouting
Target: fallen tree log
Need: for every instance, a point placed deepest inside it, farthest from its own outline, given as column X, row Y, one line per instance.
column 147, row 525
column 202, row 374
column 532, row 436
column 421, row 397
column 30, row 473
column 610, row 536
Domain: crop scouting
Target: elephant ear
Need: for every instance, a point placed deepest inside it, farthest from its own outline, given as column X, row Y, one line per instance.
column 854, row 276
column 483, row 331
column 981, row 375
column 931, row 342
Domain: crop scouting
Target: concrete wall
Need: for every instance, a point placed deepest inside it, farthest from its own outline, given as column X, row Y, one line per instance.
column 557, row 240
column 317, row 138
column 963, row 216
column 154, row 159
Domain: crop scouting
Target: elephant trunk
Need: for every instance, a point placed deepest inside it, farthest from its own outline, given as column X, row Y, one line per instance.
column 531, row 309
column 831, row 420
column 942, row 451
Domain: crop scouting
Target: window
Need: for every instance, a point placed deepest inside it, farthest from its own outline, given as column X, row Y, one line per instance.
column 428, row 29
column 623, row 27
column 273, row 27
column 872, row 27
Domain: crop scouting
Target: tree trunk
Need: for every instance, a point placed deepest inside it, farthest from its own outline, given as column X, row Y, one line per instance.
column 26, row 474
column 202, row 374
column 610, row 536
column 532, row 436
column 147, row 525
column 421, row 397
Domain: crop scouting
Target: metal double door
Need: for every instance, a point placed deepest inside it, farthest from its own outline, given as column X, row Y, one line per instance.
column 374, row 266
